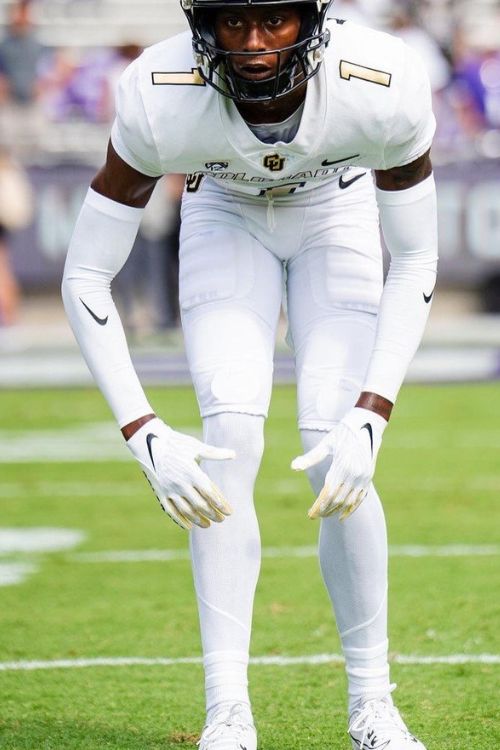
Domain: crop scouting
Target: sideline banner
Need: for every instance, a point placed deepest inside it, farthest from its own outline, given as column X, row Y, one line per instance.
column 38, row 252
column 469, row 222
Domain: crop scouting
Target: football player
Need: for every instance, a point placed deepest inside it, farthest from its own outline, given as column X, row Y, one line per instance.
column 299, row 136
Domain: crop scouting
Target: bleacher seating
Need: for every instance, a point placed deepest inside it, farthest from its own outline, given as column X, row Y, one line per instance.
column 91, row 23
column 94, row 23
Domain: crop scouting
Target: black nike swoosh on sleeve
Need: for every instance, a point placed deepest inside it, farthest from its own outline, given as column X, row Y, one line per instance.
column 343, row 184
column 101, row 321
column 428, row 297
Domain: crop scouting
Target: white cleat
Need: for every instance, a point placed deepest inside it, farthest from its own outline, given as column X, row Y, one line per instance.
column 377, row 725
column 230, row 728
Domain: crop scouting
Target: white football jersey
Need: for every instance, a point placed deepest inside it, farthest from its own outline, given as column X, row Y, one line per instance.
column 369, row 106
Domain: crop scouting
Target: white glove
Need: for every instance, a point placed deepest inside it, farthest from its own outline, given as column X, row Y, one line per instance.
column 353, row 444
column 169, row 461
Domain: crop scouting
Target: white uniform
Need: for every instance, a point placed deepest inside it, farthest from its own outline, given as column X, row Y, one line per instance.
column 256, row 215
column 252, row 208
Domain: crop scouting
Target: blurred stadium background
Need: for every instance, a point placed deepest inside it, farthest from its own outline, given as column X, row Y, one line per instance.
column 59, row 63
column 66, row 480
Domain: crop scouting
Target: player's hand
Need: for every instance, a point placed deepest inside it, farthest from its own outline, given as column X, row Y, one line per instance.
column 170, row 460
column 353, row 445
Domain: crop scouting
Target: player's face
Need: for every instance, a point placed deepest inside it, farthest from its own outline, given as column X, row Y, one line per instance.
column 257, row 30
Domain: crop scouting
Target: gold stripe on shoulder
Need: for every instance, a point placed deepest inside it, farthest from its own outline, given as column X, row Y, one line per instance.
column 178, row 79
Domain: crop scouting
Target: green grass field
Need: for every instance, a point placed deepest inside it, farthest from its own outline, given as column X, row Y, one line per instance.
column 439, row 477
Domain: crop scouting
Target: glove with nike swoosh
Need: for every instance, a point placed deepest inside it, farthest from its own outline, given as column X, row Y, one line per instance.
column 170, row 461
column 353, row 445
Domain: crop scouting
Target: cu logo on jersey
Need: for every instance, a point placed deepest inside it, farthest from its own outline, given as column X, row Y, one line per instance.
column 274, row 162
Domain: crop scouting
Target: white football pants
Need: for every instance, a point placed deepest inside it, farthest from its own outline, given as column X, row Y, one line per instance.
column 324, row 251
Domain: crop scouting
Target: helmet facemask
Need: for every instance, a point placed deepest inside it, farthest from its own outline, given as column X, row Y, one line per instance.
column 295, row 63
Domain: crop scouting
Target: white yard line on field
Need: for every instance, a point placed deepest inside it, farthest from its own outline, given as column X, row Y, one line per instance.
column 91, row 442
column 274, row 661
column 38, row 539
column 82, row 443
column 404, row 550
column 485, row 483
column 31, row 541
column 13, row 573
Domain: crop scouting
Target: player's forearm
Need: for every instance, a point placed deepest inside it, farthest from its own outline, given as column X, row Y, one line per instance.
column 102, row 240
column 409, row 223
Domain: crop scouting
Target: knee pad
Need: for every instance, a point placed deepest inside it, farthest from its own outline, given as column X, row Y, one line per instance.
column 332, row 356
column 324, row 398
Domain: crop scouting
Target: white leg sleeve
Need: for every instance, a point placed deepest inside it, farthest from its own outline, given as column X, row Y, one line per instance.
column 409, row 224
column 353, row 559
column 101, row 243
column 226, row 559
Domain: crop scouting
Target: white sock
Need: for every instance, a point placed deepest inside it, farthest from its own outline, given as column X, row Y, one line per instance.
column 353, row 559
column 225, row 679
column 226, row 559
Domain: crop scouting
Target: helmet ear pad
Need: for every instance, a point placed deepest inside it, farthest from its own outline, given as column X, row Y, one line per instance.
column 204, row 22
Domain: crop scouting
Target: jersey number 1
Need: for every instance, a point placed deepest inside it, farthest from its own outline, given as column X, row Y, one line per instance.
column 191, row 78
column 350, row 70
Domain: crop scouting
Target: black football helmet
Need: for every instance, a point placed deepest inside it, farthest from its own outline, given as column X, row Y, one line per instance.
column 214, row 63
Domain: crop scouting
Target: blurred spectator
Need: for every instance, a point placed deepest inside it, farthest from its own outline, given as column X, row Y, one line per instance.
column 84, row 90
column 20, row 55
column 150, row 278
column 16, row 208
column 75, row 90
column 56, row 75
column 351, row 11
column 404, row 23
column 9, row 290
column 476, row 82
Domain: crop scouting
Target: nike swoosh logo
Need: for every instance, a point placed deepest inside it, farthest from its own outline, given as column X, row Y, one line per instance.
column 368, row 427
column 326, row 163
column 428, row 297
column 149, row 439
column 101, row 321
column 364, row 746
column 343, row 184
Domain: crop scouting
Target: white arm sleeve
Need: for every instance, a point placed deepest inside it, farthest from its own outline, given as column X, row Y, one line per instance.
column 101, row 243
column 409, row 224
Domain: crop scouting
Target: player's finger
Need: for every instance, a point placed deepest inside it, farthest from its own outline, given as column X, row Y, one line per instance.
column 212, row 453
column 321, row 502
column 211, row 492
column 200, row 505
column 358, row 499
column 184, row 508
column 334, row 504
column 339, row 498
column 171, row 510
column 343, row 500
column 311, row 458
